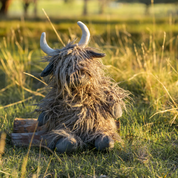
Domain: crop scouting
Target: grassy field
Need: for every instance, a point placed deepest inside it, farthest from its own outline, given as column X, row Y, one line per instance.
column 141, row 55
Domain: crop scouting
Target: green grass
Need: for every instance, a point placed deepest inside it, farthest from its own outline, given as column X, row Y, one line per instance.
column 142, row 60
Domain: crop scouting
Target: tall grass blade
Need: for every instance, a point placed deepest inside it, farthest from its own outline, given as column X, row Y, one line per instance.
column 2, row 145
column 53, row 27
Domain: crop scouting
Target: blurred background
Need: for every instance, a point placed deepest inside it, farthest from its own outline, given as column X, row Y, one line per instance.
column 134, row 16
column 137, row 17
column 68, row 8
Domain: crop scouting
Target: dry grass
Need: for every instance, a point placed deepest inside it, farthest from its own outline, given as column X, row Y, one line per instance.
column 2, row 145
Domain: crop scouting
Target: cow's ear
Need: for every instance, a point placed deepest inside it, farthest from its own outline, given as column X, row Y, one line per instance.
column 48, row 70
column 94, row 54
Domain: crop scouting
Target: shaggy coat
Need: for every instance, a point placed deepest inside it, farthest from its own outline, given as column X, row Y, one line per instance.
column 81, row 99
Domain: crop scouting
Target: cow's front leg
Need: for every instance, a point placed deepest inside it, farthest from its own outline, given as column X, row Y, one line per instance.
column 104, row 142
column 68, row 144
column 64, row 144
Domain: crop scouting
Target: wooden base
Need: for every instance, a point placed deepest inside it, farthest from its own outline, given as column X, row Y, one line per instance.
column 24, row 131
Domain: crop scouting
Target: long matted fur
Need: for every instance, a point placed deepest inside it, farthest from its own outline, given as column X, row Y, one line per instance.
column 83, row 109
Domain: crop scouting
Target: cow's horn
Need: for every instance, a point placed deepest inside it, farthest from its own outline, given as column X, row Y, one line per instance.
column 44, row 46
column 85, row 34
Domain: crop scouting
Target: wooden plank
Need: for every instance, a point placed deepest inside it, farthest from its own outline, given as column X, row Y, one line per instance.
column 24, row 139
column 22, row 125
column 23, row 132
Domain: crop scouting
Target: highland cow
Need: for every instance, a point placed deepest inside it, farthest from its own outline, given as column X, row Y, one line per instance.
column 82, row 103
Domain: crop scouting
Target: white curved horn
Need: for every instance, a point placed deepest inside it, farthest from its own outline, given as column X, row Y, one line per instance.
column 44, row 46
column 85, row 34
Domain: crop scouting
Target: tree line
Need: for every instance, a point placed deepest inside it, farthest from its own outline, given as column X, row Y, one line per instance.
column 4, row 4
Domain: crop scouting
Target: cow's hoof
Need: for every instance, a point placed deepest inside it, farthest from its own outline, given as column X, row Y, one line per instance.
column 104, row 142
column 41, row 119
column 66, row 145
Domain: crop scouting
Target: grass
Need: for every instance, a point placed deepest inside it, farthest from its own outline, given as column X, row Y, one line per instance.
column 145, row 63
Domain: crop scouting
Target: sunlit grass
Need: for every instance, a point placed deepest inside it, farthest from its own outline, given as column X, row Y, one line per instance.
column 147, row 67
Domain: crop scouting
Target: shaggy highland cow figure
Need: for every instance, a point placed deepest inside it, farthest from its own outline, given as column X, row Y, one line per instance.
column 82, row 103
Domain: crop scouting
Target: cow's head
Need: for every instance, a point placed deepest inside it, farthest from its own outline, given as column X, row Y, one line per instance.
column 72, row 66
